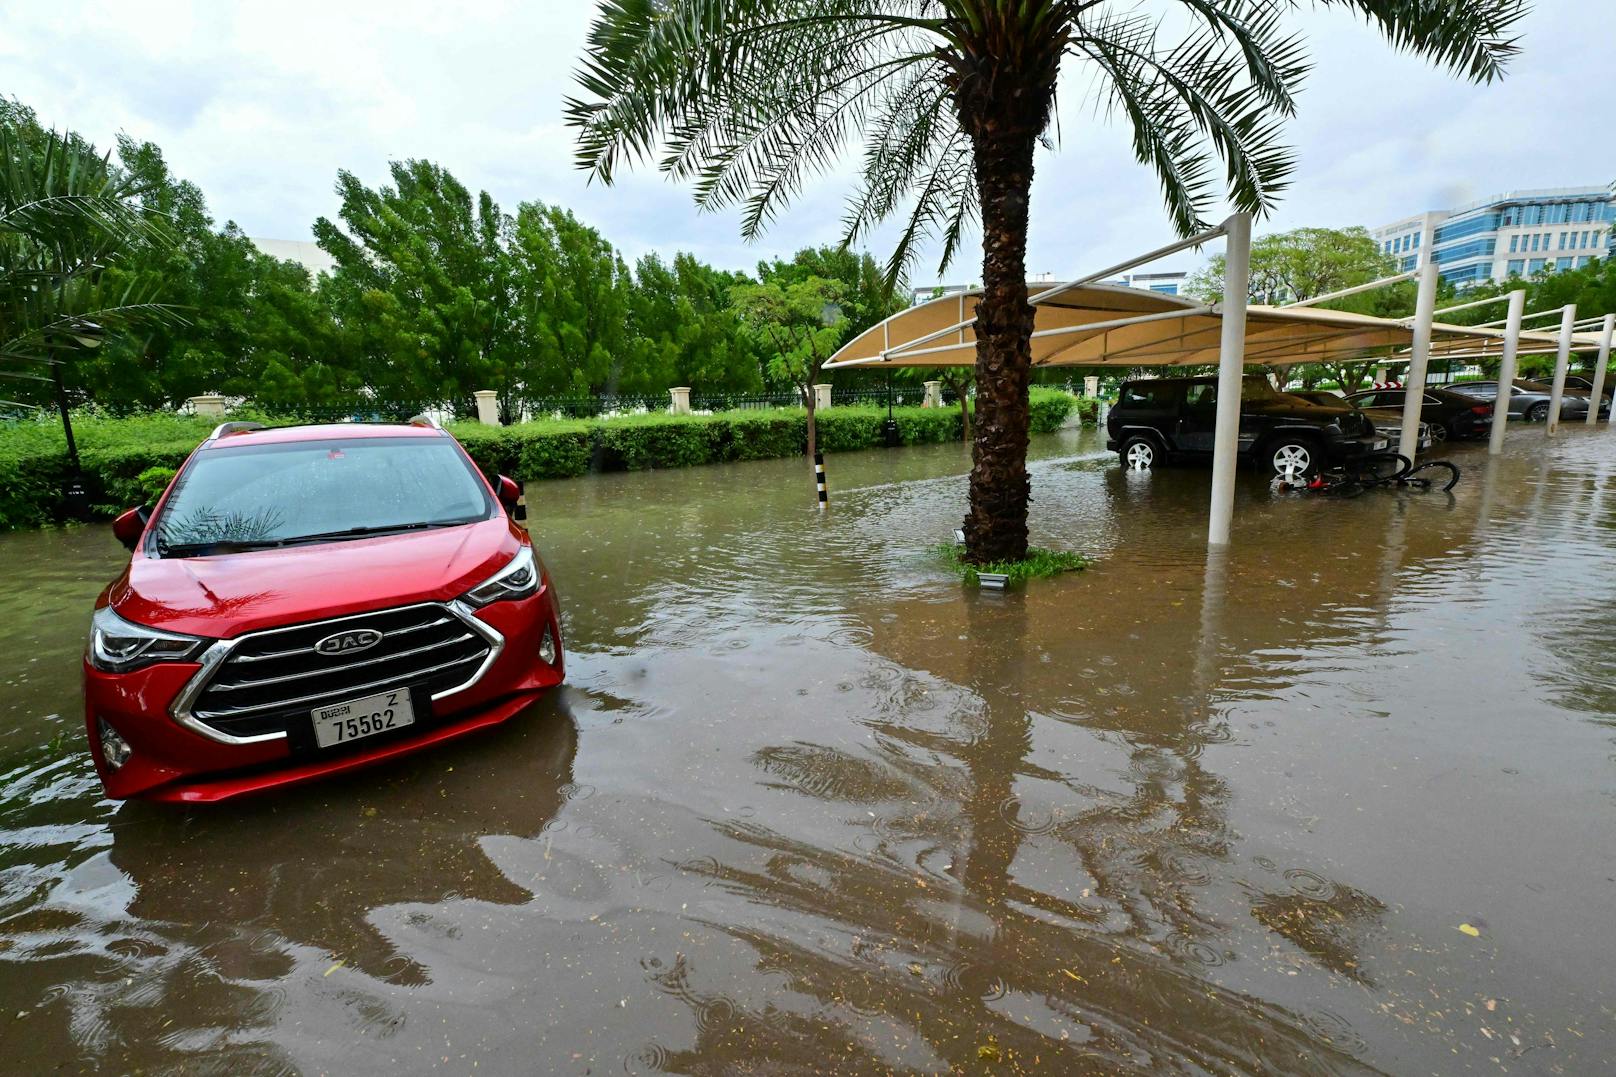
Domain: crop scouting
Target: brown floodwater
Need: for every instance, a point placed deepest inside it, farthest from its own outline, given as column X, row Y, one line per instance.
column 1341, row 801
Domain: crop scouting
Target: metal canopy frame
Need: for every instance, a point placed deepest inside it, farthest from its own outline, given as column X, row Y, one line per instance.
column 1087, row 323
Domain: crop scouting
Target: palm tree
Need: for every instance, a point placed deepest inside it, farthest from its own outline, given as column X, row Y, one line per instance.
column 948, row 100
column 66, row 218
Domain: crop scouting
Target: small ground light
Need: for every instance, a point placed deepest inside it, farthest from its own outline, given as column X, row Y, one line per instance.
column 114, row 749
column 959, row 536
column 993, row 581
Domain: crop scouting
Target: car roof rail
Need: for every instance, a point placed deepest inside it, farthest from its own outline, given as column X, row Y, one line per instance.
column 424, row 420
column 241, row 426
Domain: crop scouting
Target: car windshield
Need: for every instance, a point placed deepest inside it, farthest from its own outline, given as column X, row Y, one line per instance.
column 1258, row 387
column 275, row 495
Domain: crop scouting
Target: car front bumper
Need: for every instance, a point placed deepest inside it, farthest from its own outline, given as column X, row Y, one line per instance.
column 172, row 762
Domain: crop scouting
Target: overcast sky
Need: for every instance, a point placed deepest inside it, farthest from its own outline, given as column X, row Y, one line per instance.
column 261, row 103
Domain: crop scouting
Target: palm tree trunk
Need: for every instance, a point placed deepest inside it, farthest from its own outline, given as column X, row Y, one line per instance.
column 996, row 525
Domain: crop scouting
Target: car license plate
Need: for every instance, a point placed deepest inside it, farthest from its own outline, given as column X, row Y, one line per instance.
column 343, row 722
column 1380, row 444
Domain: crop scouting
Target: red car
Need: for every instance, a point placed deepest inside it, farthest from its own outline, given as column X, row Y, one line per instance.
column 309, row 600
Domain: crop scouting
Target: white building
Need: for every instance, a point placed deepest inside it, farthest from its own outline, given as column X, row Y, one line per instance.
column 305, row 253
column 1516, row 233
column 1165, row 283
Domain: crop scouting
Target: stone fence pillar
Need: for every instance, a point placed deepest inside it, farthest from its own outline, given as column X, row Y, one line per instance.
column 821, row 397
column 934, row 395
column 681, row 399
column 487, row 406
column 1091, row 386
column 210, row 405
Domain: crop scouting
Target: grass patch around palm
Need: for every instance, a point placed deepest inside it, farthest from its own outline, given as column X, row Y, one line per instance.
column 1038, row 564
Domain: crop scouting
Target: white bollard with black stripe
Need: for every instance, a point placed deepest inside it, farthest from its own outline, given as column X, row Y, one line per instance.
column 819, row 479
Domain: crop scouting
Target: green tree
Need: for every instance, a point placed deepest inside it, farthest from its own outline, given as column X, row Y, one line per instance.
column 421, row 287
column 803, row 324
column 949, row 100
column 68, row 221
column 685, row 330
column 1304, row 263
column 572, row 294
column 1301, row 264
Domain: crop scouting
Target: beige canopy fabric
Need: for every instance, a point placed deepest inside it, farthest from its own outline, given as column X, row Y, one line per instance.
column 1110, row 325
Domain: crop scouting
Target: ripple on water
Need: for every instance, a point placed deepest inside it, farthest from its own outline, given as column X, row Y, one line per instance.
column 650, row 1057
column 973, row 981
column 1194, row 950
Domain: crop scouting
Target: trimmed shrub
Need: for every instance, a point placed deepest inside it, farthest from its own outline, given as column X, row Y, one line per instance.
column 129, row 461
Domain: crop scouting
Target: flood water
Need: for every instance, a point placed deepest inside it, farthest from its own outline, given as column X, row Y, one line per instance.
column 809, row 805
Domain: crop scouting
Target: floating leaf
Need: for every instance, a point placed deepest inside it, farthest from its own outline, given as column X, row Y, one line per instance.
column 1468, row 930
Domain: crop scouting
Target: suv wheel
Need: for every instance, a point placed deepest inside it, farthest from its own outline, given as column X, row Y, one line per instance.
column 1439, row 433
column 1139, row 454
column 1538, row 413
column 1293, row 458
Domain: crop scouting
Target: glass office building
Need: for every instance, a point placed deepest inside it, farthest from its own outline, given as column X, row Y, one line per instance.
column 1518, row 233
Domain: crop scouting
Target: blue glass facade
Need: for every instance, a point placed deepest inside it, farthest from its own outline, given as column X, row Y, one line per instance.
column 1484, row 241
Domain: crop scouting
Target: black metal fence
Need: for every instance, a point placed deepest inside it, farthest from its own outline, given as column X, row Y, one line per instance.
column 586, row 407
column 354, row 410
column 743, row 401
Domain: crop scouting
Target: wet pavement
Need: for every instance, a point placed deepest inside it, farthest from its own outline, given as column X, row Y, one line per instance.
column 1342, row 801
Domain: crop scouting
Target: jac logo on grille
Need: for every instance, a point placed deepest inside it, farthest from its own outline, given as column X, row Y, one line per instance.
column 358, row 639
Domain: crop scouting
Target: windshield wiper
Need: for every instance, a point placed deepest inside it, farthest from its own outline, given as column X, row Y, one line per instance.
column 366, row 532
column 190, row 549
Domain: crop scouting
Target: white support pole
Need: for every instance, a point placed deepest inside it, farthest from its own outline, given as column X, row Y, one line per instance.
column 1562, row 360
column 1599, row 370
column 1418, row 357
column 1344, row 292
column 1506, row 371
column 1231, row 367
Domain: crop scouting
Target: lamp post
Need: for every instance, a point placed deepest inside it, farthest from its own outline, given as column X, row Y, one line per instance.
column 890, row 430
column 75, row 496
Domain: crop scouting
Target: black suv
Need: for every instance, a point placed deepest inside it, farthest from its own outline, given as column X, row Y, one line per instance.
column 1162, row 418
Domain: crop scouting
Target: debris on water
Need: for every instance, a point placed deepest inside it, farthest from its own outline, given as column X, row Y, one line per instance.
column 1468, row 930
column 989, row 1051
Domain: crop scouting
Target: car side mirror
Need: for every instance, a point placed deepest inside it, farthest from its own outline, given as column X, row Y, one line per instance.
column 510, row 495
column 130, row 525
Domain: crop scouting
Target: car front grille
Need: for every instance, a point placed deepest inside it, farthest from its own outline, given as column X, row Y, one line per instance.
column 272, row 679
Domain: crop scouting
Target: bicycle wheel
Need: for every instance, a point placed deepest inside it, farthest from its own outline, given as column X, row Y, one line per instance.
column 1437, row 465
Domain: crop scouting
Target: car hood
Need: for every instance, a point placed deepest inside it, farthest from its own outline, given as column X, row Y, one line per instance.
column 228, row 594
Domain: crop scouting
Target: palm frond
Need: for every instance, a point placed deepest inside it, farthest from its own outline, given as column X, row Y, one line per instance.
column 1475, row 38
column 746, row 99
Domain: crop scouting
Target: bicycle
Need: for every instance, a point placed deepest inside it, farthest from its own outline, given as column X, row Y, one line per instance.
column 1382, row 470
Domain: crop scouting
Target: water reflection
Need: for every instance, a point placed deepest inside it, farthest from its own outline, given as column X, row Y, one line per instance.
column 809, row 805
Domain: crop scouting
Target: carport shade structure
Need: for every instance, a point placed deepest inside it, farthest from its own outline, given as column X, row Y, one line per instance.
column 1085, row 323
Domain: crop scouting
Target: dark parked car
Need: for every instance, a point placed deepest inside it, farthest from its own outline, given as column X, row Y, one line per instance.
column 1158, row 419
column 1572, row 389
column 1451, row 414
column 1388, row 421
column 1585, row 386
column 1527, row 400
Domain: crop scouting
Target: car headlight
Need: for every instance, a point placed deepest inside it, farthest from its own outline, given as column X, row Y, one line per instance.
column 120, row 646
column 519, row 579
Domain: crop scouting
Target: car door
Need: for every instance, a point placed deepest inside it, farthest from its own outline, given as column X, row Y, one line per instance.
column 1148, row 405
column 1198, row 417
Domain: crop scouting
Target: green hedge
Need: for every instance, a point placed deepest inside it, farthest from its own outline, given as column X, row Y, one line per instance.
column 128, row 461
column 117, row 454
column 559, row 450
